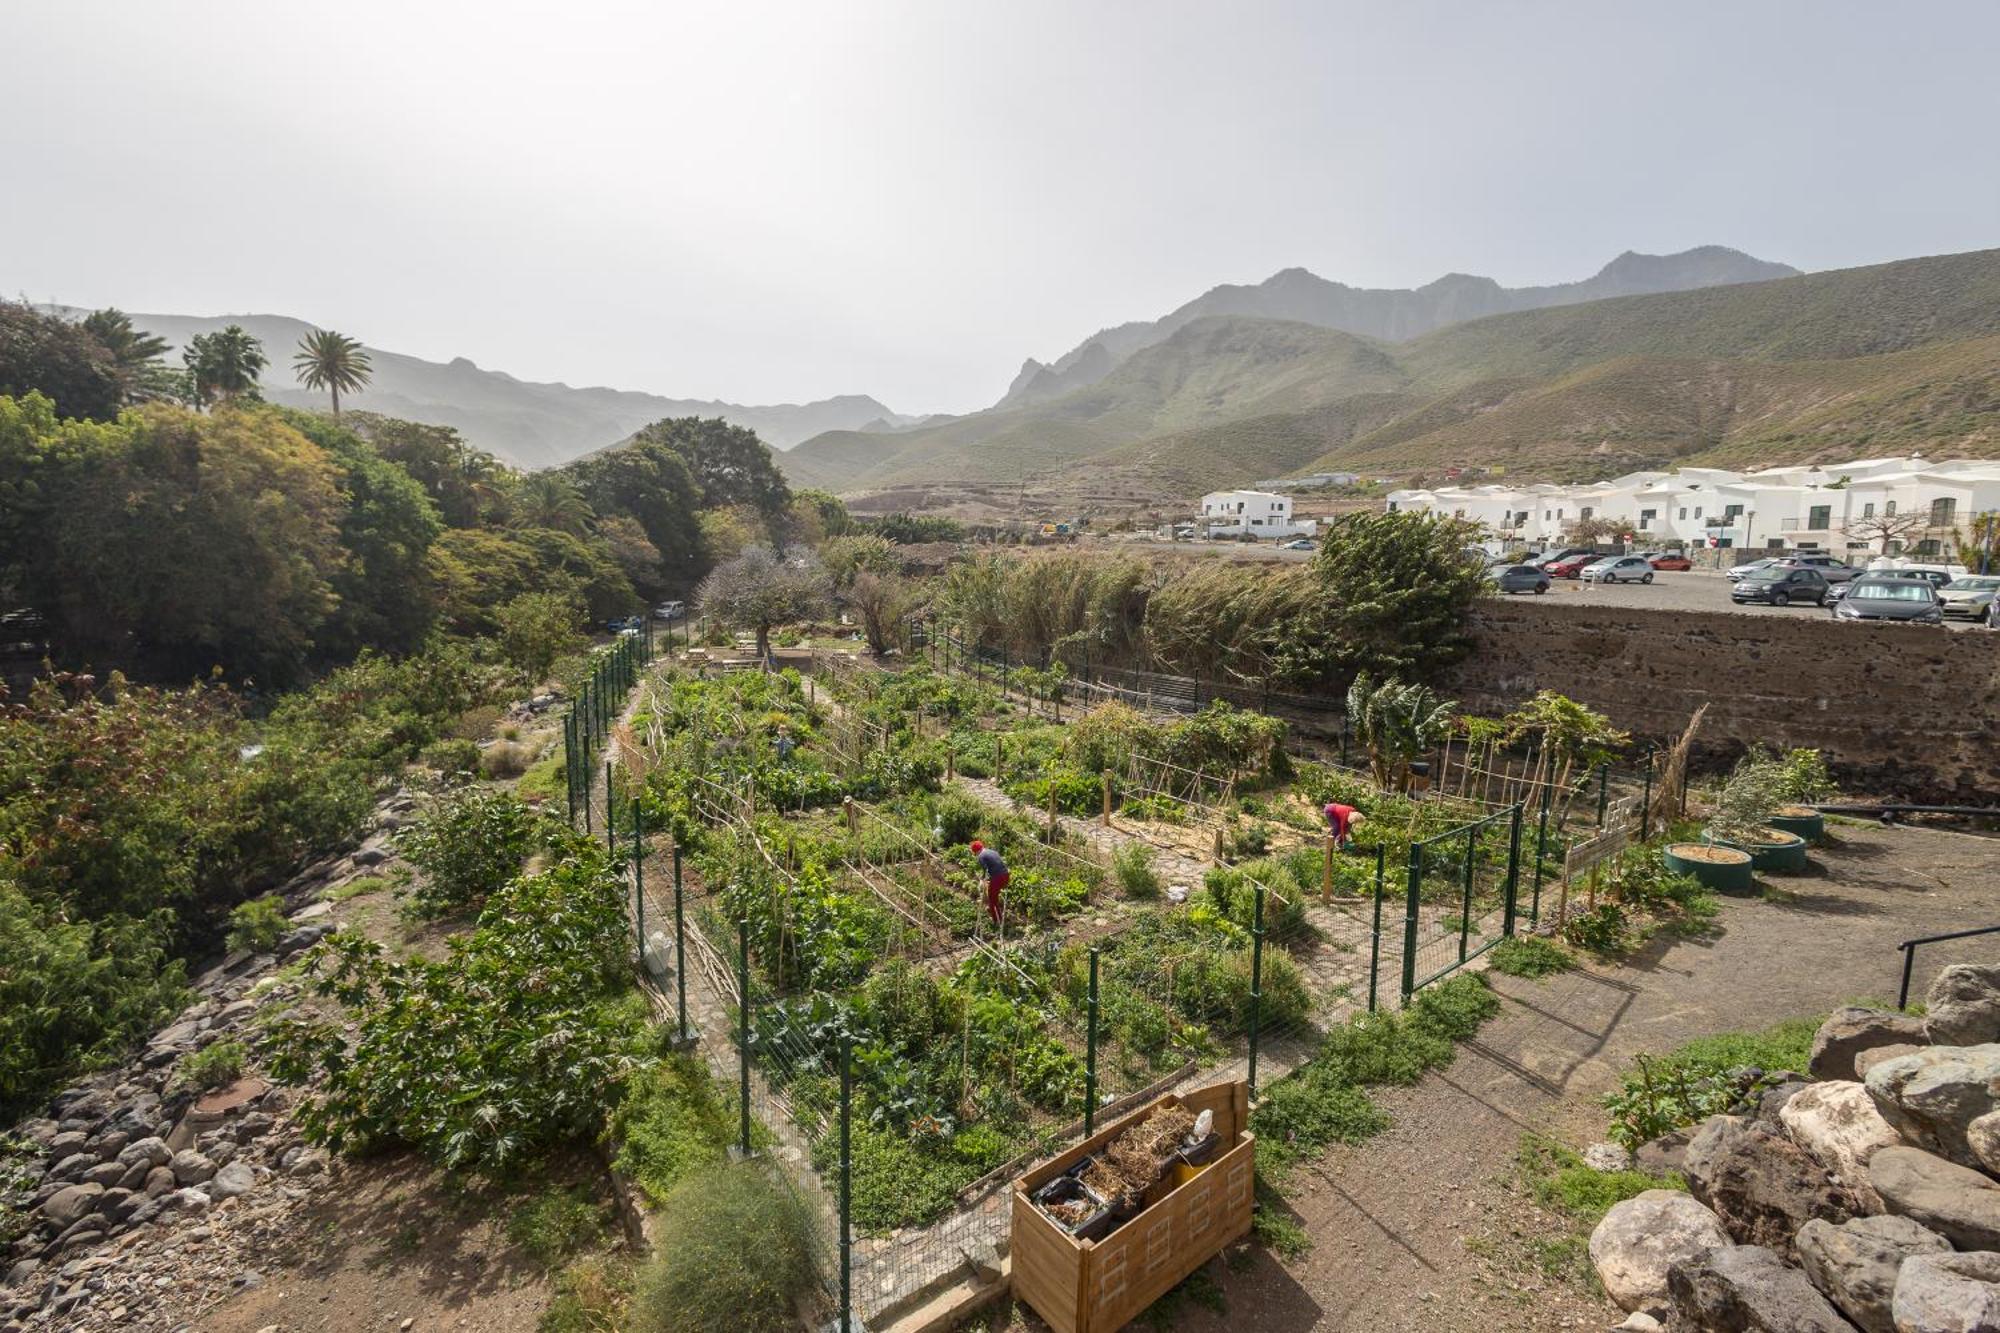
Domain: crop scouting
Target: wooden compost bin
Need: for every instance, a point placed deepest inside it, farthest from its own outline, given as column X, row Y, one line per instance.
column 1084, row 1286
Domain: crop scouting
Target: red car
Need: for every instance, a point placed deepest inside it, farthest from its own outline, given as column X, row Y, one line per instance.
column 1672, row 562
column 1568, row 568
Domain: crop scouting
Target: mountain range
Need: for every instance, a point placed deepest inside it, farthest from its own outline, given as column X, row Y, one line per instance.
column 526, row 423
column 1738, row 365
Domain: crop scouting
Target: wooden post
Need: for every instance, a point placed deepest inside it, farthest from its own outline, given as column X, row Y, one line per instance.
column 1218, row 844
column 950, row 763
column 1052, row 809
column 853, row 816
column 1326, row 877
column 1105, row 779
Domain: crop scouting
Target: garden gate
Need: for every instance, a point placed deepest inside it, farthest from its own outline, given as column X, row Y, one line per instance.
column 1463, row 885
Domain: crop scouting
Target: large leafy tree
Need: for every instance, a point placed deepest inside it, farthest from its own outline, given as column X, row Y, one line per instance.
column 224, row 365
column 653, row 485
column 1397, row 723
column 760, row 589
column 536, row 628
column 60, row 360
column 551, row 500
column 199, row 541
column 468, row 485
column 334, row 362
column 1393, row 594
column 730, row 464
column 478, row 570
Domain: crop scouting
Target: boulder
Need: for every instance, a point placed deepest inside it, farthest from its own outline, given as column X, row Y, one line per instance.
column 1949, row 1293
column 1763, row 1186
column 160, row 1180
column 1958, row 1203
column 1962, row 1007
column 1854, row 1265
column 110, row 1143
column 232, row 1180
column 1849, row 1032
column 73, row 1166
column 1607, row 1157
column 191, row 1167
column 1636, row 1322
column 1644, row 1236
column 1772, row 1101
column 73, row 1204
column 106, row 1174
column 1664, row 1155
column 1867, row 1060
column 1982, row 1136
column 1838, row 1124
column 1749, row 1289
column 152, row 1150
column 1933, row 1097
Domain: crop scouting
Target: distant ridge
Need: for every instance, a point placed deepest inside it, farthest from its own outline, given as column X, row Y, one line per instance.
column 1393, row 314
column 529, row 424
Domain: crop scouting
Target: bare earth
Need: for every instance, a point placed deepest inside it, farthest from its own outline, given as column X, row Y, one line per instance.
column 1426, row 1227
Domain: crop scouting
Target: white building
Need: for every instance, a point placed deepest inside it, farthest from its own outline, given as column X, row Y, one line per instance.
column 1909, row 505
column 1259, row 513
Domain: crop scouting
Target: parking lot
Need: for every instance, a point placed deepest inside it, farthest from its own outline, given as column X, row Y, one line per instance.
column 1698, row 590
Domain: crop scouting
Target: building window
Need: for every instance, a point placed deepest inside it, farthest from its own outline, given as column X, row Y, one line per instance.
column 1731, row 513
column 1684, row 513
column 1819, row 518
column 1928, row 546
column 1944, row 512
column 1889, row 509
column 1868, row 510
column 1697, row 511
column 1585, row 512
column 1646, row 517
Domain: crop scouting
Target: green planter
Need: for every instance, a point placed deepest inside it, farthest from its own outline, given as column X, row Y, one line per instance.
column 1732, row 873
column 1774, row 857
column 1808, row 824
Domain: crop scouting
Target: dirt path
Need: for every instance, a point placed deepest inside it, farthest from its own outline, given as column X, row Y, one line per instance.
column 1425, row 1227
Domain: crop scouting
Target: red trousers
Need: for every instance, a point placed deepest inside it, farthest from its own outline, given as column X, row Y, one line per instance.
column 993, row 887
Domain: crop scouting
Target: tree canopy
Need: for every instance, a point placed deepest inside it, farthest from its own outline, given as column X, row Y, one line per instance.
column 61, row 360
column 760, row 588
column 224, row 365
column 334, row 362
column 730, row 464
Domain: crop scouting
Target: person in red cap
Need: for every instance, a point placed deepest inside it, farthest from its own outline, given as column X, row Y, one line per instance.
column 996, row 876
column 1340, row 821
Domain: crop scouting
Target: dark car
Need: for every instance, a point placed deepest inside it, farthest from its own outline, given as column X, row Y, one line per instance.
column 1547, row 558
column 1521, row 578
column 1936, row 579
column 1781, row 587
column 1874, row 598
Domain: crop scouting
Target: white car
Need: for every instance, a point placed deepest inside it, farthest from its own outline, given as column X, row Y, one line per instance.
column 1618, row 569
column 1297, row 544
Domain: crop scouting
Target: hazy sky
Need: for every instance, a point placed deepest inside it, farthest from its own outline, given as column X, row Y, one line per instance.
column 773, row 202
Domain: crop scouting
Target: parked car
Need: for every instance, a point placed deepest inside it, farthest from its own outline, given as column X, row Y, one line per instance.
column 1521, row 578
column 1745, row 571
column 670, row 610
column 1570, row 566
column 1936, row 579
column 1874, row 598
column 1547, row 558
column 1668, row 560
column 1972, row 597
column 1781, row 587
column 1830, row 569
column 1618, row 569
column 1297, row 544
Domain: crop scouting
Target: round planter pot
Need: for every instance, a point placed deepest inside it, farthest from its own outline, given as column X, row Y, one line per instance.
column 1800, row 820
column 1780, row 854
column 1724, row 869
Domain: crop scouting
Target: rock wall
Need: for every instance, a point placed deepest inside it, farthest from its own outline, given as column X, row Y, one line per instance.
column 1903, row 710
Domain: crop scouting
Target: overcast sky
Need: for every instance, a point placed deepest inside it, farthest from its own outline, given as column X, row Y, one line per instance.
column 773, row 202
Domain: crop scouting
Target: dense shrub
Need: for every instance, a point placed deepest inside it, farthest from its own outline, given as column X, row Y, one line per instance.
column 467, row 841
column 212, row 1066
column 1704, row 1077
column 670, row 1124
column 452, row 757
column 734, row 1255
column 1132, row 866
column 517, row 1038
column 1530, row 956
column 258, row 924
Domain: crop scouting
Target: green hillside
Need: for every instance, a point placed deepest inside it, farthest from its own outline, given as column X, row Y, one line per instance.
column 1892, row 357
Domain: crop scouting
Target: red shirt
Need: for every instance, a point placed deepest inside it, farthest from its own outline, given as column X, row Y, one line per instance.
column 1339, row 818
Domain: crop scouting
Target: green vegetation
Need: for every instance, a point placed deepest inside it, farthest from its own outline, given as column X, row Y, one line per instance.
column 1702, row 1078
column 557, row 1222
column 670, row 1125
column 467, row 841
column 212, row 1066
column 1132, row 864
column 734, row 1255
column 1530, row 956
column 258, row 924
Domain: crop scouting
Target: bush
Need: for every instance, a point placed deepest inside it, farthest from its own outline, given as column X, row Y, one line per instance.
column 258, row 925
column 1704, row 1077
column 1601, row 931
column 557, row 1223
column 506, row 759
column 670, row 1125
column 467, row 841
column 452, row 757
column 212, row 1066
column 1132, row 864
column 733, row 1256
column 956, row 818
column 1530, row 956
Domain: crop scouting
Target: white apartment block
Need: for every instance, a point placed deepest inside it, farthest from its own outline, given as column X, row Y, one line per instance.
column 1259, row 513
column 1842, row 508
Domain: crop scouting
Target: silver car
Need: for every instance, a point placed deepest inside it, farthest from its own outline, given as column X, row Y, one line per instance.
column 1618, row 569
column 1971, row 597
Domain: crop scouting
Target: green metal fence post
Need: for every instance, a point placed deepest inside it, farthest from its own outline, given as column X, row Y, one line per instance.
column 639, row 876
column 569, row 764
column 680, row 951
column 1603, row 791
column 1416, row 882
column 586, row 795
column 1375, row 947
column 1090, row 1055
column 1465, row 912
column 1256, row 984
column 610, row 814
column 846, row 1183
column 743, row 1031
column 1541, row 852
column 1513, row 872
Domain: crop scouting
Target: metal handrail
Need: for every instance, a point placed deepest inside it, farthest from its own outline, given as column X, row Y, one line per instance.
column 1909, row 948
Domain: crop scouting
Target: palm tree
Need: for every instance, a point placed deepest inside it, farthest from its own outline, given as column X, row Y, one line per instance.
column 224, row 365
column 332, row 361
column 1396, row 723
column 549, row 500
column 135, row 353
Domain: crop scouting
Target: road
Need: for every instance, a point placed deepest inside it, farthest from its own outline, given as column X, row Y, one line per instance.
column 1698, row 590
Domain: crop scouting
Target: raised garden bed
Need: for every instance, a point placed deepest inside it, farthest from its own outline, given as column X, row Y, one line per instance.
column 1776, row 853
column 1802, row 820
column 1724, row 869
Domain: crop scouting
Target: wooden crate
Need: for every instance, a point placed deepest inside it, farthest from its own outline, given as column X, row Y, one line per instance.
column 1100, row 1286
